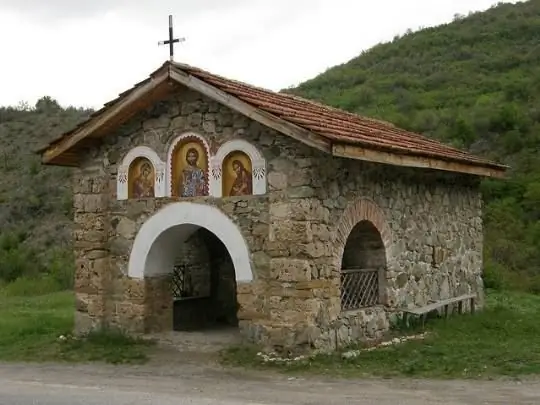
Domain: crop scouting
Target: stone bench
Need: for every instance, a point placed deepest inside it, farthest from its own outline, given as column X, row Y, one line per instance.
column 423, row 311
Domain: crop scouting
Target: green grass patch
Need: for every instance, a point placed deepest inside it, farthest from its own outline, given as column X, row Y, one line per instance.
column 502, row 340
column 31, row 326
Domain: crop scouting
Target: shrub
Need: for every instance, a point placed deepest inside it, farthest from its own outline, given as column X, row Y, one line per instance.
column 61, row 267
column 16, row 259
column 494, row 276
column 26, row 287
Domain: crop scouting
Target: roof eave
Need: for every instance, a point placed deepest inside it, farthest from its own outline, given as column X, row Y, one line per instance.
column 486, row 169
column 106, row 114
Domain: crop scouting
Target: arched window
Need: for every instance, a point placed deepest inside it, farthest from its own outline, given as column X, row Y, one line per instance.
column 362, row 265
column 363, row 238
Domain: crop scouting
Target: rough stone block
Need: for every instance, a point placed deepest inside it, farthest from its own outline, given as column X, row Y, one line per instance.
column 277, row 181
column 289, row 269
column 292, row 231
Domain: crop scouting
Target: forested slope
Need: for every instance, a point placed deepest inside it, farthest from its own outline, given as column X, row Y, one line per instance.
column 473, row 83
column 35, row 200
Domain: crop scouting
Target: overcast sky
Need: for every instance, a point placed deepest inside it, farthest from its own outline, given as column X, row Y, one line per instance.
column 85, row 52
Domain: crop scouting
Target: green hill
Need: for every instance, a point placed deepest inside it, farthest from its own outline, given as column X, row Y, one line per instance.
column 473, row 83
column 36, row 202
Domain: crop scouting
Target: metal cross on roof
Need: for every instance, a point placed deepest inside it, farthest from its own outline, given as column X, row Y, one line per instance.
column 171, row 41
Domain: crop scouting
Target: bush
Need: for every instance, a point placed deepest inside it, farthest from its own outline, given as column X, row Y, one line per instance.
column 26, row 287
column 16, row 259
column 494, row 276
column 61, row 267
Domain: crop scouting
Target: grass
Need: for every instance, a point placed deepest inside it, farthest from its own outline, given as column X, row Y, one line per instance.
column 502, row 340
column 31, row 326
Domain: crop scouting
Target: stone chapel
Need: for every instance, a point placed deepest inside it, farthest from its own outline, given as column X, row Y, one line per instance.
column 203, row 202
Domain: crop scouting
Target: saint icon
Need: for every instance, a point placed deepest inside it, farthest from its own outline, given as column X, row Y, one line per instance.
column 242, row 184
column 143, row 184
column 193, row 180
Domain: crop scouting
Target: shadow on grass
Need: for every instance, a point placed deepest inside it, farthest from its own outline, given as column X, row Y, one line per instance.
column 502, row 340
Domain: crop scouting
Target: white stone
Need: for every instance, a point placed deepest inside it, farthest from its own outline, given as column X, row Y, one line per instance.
column 155, row 246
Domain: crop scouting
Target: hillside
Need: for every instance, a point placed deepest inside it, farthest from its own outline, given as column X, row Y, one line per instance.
column 35, row 215
column 473, row 83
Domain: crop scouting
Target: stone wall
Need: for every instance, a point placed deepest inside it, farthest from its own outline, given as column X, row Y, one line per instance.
column 90, row 203
column 430, row 225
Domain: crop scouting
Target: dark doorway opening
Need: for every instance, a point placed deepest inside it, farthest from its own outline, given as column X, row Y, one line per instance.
column 203, row 284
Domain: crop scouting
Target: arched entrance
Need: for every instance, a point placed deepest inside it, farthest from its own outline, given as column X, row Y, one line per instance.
column 363, row 241
column 191, row 256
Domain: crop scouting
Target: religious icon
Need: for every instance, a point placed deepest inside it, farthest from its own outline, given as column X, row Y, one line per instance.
column 142, row 173
column 193, row 180
column 237, row 176
column 189, row 167
column 242, row 184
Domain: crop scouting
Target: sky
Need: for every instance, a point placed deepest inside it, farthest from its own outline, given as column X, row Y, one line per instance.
column 84, row 52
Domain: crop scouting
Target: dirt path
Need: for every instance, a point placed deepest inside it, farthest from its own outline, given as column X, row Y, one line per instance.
column 191, row 383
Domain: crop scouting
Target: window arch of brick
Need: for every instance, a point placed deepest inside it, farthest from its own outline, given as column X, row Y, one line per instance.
column 363, row 241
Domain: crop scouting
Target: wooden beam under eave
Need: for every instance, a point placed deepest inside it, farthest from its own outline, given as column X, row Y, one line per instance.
column 108, row 115
column 264, row 118
column 356, row 152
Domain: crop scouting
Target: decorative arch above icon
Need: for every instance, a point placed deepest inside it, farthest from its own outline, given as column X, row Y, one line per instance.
column 188, row 166
column 238, row 168
column 140, row 175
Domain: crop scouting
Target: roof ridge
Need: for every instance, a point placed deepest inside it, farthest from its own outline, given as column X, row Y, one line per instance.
column 187, row 66
column 196, row 68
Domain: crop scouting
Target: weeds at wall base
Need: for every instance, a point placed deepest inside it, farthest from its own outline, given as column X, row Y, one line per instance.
column 500, row 341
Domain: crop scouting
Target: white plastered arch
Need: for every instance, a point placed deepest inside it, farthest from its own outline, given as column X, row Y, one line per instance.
column 123, row 171
column 174, row 143
column 258, row 165
column 154, row 249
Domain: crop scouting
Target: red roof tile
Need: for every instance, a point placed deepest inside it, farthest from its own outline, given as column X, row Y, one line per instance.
column 337, row 125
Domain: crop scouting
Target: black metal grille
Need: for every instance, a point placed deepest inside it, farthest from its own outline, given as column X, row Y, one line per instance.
column 182, row 286
column 359, row 288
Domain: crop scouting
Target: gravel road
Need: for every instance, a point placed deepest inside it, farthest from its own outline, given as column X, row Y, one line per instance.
column 49, row 384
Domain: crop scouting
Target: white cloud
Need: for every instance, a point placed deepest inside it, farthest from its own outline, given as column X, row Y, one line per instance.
column 86, row 55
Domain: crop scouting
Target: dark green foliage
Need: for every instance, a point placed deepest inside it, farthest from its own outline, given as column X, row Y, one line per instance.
column 475, row 84
column 35, row 213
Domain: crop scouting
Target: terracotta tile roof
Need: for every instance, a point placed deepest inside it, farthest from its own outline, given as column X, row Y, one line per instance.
column 337, row 125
